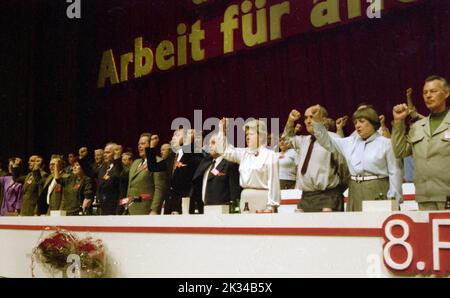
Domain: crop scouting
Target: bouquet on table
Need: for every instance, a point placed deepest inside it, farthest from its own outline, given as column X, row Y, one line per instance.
column 63, row 251
column 92, row 256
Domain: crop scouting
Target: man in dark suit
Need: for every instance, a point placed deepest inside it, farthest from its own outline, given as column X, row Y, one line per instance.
column 215, row 182
column 179, row 168
column 108, row 192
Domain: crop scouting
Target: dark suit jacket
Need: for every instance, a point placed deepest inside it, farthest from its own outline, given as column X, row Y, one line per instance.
column 92, row 169
column 55, row 197
column 220, row 189
column 108, row 193
column 75, row 190
column 179, row 177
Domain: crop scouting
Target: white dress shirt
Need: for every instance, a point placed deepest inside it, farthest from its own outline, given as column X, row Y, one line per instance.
column 320, row 175
column 50, row 189
column 258, row 168
column 373, row 156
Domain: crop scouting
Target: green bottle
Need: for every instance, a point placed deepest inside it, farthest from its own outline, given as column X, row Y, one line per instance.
column 234, row 206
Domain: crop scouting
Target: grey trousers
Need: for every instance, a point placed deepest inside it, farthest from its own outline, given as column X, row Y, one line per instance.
column 366, row 191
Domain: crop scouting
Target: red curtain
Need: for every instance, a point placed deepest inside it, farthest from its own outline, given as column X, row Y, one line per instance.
column 54, row 70
column 372, row 60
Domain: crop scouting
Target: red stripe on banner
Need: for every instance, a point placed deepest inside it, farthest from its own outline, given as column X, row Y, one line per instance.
column 339, row 232
column 295, row 201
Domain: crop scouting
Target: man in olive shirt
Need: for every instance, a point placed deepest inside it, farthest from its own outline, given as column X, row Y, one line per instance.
column 429, row 142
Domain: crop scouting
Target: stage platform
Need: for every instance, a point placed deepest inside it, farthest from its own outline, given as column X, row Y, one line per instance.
column 371, row 244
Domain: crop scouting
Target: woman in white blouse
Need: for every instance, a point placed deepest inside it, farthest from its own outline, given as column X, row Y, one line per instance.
column 375, row 172
column 258, row 166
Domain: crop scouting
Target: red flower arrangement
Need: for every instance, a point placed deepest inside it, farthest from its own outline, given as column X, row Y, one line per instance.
column 54, row 251
column 92, row 255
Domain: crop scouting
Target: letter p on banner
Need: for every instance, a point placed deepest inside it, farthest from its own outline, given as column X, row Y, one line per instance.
column 441, row 243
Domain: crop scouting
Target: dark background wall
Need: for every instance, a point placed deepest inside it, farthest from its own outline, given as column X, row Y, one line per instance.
column 49, row 67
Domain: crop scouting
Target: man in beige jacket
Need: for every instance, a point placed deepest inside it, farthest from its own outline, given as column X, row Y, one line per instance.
column 428, row 141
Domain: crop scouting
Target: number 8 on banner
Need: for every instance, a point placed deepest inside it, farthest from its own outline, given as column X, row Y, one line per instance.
column 394, row 241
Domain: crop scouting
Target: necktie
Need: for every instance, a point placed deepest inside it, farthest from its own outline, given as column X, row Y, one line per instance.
column 142, row 166
column 211, row 167
column 308, row 155
column 175, row 162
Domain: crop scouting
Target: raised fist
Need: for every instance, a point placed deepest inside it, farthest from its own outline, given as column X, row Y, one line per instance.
column 16, row 162
column 154, row 141
column 317, row 113
column 223, row 123
column 400, row 112
column 35, row 167
column 341, row 122
column 382, row 120
column 294, row 116
column 82, row 152
column 409, row 93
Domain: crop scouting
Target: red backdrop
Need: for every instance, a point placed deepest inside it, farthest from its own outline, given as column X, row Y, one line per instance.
column 369, row 60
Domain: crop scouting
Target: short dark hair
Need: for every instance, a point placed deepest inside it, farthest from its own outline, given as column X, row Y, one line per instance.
column 438, row 78
column 369, row 114
column 130, row 154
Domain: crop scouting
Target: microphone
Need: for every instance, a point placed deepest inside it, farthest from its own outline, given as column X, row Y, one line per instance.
column 140, row 198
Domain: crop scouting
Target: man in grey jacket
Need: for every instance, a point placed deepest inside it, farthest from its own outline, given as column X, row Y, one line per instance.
column 428, row 140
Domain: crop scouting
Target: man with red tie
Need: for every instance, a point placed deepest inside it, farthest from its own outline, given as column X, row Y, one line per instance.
column 320, row 173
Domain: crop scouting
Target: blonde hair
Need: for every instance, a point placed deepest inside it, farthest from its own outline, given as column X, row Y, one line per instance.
column 259, row 127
